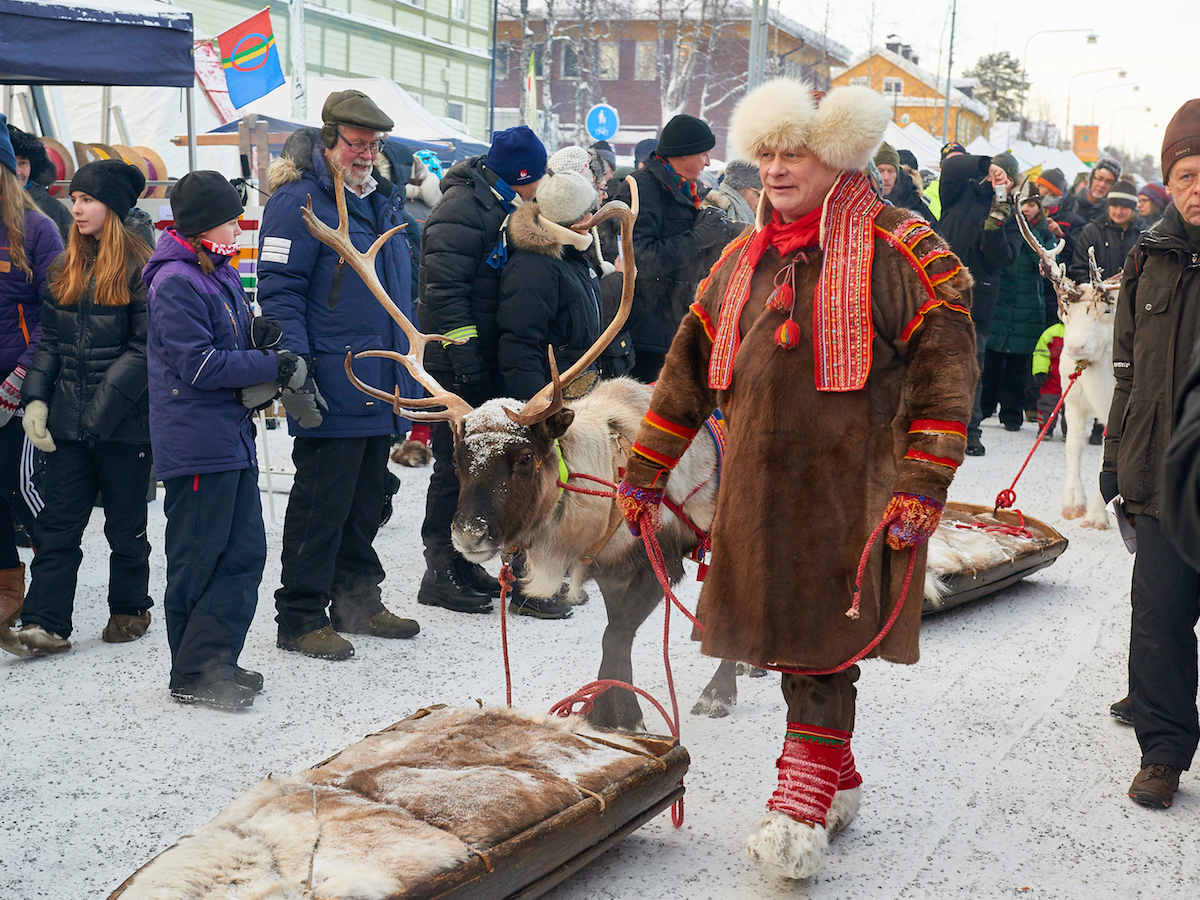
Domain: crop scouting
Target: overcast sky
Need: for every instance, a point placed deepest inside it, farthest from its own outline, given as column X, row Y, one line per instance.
column 1157, row 51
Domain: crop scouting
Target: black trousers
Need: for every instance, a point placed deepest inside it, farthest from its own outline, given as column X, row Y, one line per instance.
column 74, row 475
column 1004, row 377
column 12, row 441
column 332, row 517
column 216, row 547
column 1162, row 649
column 647, row 364
column 983, row 301
column 827, row 701
column 441, row 501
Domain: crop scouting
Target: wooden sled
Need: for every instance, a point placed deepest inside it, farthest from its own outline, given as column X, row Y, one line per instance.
column 964, row 574
column 360, row 818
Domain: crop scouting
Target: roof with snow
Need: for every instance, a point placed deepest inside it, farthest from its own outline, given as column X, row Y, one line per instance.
column 957, row 97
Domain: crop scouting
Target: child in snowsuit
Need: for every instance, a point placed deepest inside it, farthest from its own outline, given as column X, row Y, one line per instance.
column 211, row 363
column 1045, row 375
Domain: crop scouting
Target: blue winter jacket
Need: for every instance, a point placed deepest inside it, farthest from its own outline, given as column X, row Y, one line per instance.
column 20, row 296
column 198, row 353
column 325, row 308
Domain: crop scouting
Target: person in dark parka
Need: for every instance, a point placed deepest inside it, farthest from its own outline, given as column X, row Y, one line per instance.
column 86, row 407
column 341, row 453
column 201, row 351
column 1112, row 236
column 35, row 172
column 1017, row 322
column 463, row 257
column 981, row 230
column 675, row 241
column 1156, row 327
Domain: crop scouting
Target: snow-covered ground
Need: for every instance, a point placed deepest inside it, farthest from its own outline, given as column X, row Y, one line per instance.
column 992, row 767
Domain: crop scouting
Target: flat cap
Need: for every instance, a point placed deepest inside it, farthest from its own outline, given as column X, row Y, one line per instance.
column 355, row 108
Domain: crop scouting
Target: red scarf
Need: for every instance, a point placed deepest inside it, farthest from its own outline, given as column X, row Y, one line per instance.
column 786, row 238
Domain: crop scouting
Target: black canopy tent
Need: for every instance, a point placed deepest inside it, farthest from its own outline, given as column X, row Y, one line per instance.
column 96, row 42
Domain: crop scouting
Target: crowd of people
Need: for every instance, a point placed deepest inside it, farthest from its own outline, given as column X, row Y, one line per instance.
column 818, row 294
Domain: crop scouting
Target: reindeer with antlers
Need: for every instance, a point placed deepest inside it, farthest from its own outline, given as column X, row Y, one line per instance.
column 511, row 465
column 1086, row 311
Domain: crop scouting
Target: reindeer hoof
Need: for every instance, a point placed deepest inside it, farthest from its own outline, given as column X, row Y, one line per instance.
column 1074, row 512
column 712, row 706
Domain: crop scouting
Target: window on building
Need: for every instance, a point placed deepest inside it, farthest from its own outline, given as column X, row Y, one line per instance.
column 893, row 86
column 570, row 60
column 860, row 81
column 646, row 67
column 456, row 111
column 460, row 10
column 610, row 60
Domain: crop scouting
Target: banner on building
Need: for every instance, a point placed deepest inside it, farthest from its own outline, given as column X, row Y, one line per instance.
column 1087, row 143
column 250, row 59
column 531, row 92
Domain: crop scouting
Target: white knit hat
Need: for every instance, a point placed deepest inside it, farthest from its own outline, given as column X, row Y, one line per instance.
column 566, row 197
column 570, row 159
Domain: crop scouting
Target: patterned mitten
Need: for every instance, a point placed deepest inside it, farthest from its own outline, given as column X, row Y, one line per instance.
column 10, row 394
column 634, row 502
column 919, row 517
column 810, row 769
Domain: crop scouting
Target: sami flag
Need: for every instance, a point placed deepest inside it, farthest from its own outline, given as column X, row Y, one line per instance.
column 250, row 59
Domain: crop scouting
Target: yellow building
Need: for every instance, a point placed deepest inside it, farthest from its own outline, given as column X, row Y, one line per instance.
column 915, row 94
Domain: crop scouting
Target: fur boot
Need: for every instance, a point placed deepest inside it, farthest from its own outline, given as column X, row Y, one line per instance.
column 792, row 838
column 416, row 451
column 12, row 594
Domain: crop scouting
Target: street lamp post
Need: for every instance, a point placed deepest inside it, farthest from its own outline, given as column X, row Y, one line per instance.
column 1091, row 39
column 1112, row 124
column 1120, row 74
column 1109, row 87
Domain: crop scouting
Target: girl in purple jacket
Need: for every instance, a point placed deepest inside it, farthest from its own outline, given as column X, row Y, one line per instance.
column 211, row 363
column 29, row 242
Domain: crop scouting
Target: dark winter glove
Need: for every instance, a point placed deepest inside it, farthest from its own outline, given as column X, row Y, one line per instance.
column 637, row 504
column 475, row 389
column 998, row 215
column 265, row 333
column 1108, row 485
column 300, row 396
column 10, row 394
column 292, row 370
column 711, row 228
column 918, row 518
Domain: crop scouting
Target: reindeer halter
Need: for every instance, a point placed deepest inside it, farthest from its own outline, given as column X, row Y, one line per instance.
column 842, row 329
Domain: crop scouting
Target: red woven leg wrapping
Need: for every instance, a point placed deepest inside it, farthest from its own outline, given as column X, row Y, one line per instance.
column 849, row 778
column 809, row 770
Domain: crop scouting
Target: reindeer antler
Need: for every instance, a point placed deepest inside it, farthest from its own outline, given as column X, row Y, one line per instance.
column 1064, row 288
column 364, row 264
column 549, row 399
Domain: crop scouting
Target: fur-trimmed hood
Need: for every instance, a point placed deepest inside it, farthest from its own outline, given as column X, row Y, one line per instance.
column 843, row 129
column 529, row 231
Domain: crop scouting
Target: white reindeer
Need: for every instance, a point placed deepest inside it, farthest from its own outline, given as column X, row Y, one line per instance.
column 1086, row 312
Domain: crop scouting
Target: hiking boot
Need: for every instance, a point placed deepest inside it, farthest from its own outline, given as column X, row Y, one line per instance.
column 975, row 447
column 447, row 588
column 1122, row 711
column 121, row 628
column 247, row 678
column 38, row 641
column 225, row 694
column 476, row 578
column 1155, row 785
column 549, row 608
column 383, row 624
column 324, row 643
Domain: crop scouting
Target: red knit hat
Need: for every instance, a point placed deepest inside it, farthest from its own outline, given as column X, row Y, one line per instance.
column 1182, row 137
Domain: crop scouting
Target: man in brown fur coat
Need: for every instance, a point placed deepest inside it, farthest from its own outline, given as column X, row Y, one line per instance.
column 836, row 337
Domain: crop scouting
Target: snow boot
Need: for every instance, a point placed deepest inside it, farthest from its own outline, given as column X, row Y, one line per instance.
column 792, row 838
column 37, row 641
column 248, row 678
column 12, row 595
column 224, row 694
column 122, row 629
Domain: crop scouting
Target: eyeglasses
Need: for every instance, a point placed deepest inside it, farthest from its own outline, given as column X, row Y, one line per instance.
column 359, row 147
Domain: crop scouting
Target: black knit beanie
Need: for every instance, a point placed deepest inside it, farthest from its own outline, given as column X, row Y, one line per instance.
column 203, row 200
column 113, row 182
column 685, row 135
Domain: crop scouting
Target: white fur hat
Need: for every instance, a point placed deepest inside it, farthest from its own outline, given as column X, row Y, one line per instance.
column 570, row 159
column 566, row 197
column 844, row 129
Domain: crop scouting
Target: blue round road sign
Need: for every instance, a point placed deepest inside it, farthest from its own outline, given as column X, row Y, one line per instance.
column 602, row 122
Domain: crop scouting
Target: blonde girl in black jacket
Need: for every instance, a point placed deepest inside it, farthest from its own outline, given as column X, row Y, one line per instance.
column 86, row 407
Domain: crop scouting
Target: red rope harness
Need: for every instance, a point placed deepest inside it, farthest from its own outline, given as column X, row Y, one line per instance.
column 1007, row 497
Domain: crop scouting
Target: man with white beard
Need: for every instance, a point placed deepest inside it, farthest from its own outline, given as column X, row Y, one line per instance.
column 341, row 442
